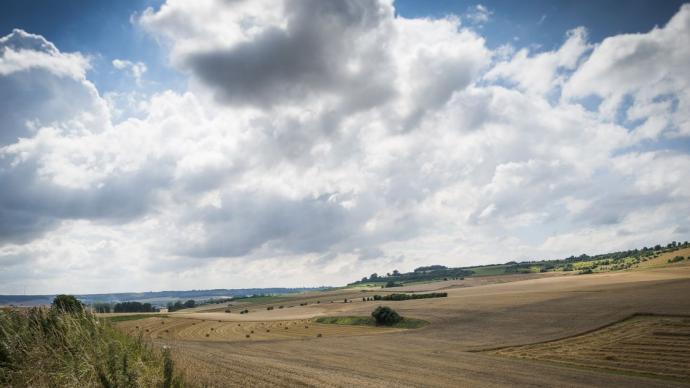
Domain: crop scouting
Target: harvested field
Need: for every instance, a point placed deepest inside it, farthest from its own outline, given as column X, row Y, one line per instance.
column 446, row 352
column 643, row 344
column 185, row 329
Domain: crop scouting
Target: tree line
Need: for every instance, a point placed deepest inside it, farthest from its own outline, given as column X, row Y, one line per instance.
column 411, row 296
column 124, row 307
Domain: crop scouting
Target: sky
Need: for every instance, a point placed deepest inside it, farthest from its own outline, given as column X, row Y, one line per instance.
column 156, row 145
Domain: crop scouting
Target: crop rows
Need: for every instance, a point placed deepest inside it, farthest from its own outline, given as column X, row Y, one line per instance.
column 657, row 345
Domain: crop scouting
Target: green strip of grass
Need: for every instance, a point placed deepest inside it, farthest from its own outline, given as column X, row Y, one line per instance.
column 406, row 323
column 134, row 317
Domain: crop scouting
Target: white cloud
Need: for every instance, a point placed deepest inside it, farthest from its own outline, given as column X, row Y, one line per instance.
column 542, row 72
column 478, row 14
column 22, row 52
column 136, row 69
column 318, row 152
column 651, row 68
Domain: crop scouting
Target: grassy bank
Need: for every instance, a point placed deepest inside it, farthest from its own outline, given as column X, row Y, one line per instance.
column 47, row 347
column 406, row 323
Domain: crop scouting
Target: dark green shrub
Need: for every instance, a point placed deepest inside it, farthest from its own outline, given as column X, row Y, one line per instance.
column 67, row 304
column 386, row 316
column 676, row 259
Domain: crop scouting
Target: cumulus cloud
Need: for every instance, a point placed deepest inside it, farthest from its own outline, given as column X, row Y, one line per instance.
column 315, row 48
column 650, row 68
column 39, row 85
column 320, row 141
column 542, row 72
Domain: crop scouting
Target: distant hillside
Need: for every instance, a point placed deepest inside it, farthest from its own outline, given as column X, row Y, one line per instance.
column 582, row 264
column 160, row 298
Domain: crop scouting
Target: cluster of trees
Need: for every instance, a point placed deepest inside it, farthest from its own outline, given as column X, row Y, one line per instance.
column 101, row 307
column 411, row 296
column 179, row 305
column 645, row 251
column 430, row 268
column 617, row 260
column 433, row 272
column 217, row 300
column 386, row 316
column 134, row 307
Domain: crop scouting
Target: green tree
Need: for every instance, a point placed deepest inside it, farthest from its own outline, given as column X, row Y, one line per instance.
column 386, row 316
column 101, row 307
column 189, row 304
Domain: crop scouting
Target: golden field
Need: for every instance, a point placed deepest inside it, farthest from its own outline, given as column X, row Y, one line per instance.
column 548, row 329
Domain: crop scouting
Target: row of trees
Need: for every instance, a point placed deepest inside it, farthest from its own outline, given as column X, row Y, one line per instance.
column 124, row 307
column 411, row 296
column 138, row 307
column 180, row 305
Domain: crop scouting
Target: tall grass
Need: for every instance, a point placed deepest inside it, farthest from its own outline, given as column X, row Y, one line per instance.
column 43, row 347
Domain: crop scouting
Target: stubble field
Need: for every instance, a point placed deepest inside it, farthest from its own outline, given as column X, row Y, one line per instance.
column 528, row 318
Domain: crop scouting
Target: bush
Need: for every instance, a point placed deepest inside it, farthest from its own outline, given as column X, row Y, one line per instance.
column 676, row 259
column 386, row 316
column 67, row 304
